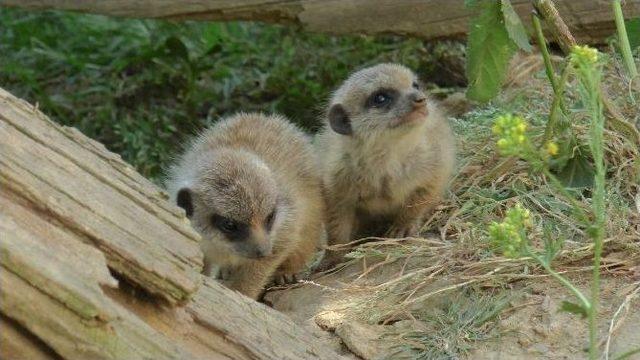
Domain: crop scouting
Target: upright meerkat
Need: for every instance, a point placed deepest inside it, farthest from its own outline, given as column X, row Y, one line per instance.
column 250, row 187
column 386, row 155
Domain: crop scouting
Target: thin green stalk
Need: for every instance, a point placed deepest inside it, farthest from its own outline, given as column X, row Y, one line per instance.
column 589, row 73
column 578, row 294
column 550, row 71
column 556, row 105
column 623, row 40
column 597, row 231
column 598, row 236
column 542, row 44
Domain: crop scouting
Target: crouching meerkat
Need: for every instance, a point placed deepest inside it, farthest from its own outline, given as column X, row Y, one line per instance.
column 250, row 187
column 386, row 154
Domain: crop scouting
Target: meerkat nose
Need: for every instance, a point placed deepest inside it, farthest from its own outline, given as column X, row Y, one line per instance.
column 261, row 244
column 418, row 99
column 264, row 251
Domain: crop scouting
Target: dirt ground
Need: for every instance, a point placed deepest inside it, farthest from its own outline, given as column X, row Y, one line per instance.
column 530, row 327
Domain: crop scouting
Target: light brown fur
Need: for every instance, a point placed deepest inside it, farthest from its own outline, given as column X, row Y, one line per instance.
column 242, row 169
column 388, row 166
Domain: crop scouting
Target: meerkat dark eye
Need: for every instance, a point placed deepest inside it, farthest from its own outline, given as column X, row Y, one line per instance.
column 228, row 226
column 268, row 222
column 415, row 85
column 224, row 224
column 380, row 98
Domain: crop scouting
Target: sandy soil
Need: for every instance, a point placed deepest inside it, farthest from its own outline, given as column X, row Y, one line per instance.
column 531, row 327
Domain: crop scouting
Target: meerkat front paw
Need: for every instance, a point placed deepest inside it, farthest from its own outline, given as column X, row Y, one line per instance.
column 288, row 274
column 221, row 272
column 285, row 278
column 403, row 231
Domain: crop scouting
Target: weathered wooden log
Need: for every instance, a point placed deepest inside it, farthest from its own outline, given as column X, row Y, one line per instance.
column 93, row 192
column 591, row 21
column 96, row 264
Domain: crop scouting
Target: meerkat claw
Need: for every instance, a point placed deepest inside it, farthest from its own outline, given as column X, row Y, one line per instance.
column 284, row 279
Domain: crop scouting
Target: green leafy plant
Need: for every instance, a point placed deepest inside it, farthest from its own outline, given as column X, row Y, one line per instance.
column 572, row 168
column 496, row 32
column 494, row 36
column 511, row 236
column 633, row 30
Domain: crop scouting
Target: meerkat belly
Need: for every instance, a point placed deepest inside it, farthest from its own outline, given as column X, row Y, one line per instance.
column 382, row 195
column 379, row 205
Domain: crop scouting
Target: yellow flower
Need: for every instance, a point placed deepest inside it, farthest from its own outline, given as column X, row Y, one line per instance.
column 510, row 235
column 512, row 132
column 552, row 148
column 584, row 53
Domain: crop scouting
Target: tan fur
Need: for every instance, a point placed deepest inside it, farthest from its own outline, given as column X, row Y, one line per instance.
column 243, row 168
column 383, row 178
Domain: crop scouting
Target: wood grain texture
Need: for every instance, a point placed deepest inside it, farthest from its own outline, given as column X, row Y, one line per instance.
column 559, row 29
column 231, row 326
column 246, row 323
column 59, row 289
column 94, row 193
column 17, row 344
column 590, row 20
column 96, row 264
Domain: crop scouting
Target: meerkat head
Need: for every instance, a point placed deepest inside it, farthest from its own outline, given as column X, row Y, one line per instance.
column 234, row 203
column 378, row 98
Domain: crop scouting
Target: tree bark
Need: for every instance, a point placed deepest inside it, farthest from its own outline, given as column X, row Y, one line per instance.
column 96, row 264
column 591, row 21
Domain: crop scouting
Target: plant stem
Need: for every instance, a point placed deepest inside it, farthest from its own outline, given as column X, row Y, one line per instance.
column 558, row 100
column 542, row 44
column 557, row 104
column 583, row 299
column 596, row 144
column 548, row 65
column 623, row 40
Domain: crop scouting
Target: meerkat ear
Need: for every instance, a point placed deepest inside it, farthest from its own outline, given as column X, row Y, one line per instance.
column 339, row 120
column 185, row 201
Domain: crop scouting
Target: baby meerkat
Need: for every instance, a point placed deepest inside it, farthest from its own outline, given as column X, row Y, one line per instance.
column 386, row 155
column 250, row 187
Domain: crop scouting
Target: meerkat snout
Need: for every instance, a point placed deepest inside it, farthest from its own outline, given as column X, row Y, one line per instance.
column 257, row 245
column 418, row 100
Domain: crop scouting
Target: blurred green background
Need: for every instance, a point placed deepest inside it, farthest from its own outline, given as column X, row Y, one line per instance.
column 142, row 86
